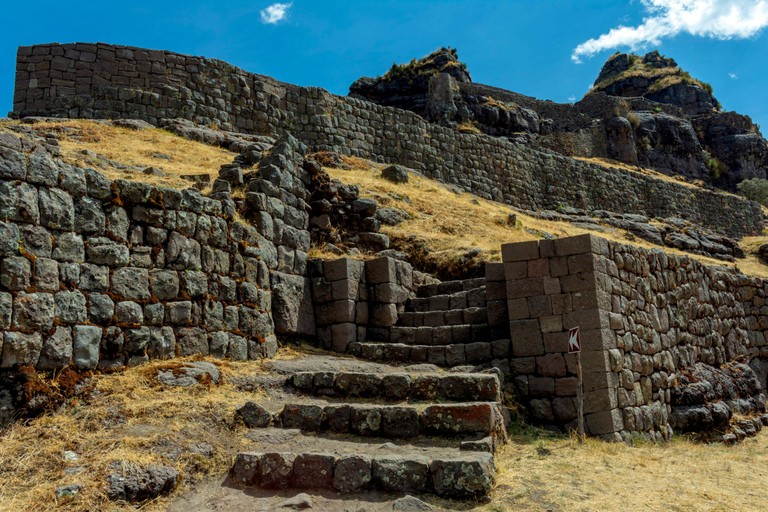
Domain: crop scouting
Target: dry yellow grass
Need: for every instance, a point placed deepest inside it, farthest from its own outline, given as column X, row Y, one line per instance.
column 452, row 224
column 558, row 474
column 130, row 418
column 132, row 147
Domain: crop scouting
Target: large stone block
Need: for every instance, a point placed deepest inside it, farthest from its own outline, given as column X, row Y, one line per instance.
column 461, row 418
column 69, row 247
column 191, row 341
column 399, row 422
column 579, row 244
column 520, row 251
column 313, row 471
column 164, row 284
column 36, row 240
column 352, row 473
column 469, row 476
column 102, row 307
column 56, row 209
column 57, row 350
column 103, row 251
column 15, row 273
column 33, row 311
column 276, row 470
column 605, row 422
column 343, row 268
column 304, row 417
column 21, row 348
column 70, row 307
column 245, row 471
column 401, row 474
column 10, row 239
column 19, row 202
column 292, row 308
column 89, row 216
column 131, row 283
column 87, row 339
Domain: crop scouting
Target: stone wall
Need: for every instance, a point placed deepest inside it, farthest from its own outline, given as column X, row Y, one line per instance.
column 103, row 81
column 647, row 320
column 100, row 273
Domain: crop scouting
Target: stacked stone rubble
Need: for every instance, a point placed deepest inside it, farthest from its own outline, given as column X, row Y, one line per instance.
column 102, row 273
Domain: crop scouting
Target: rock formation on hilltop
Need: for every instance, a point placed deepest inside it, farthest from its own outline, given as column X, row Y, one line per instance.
column 641, row 111
column 406, row 85
column 656, row 78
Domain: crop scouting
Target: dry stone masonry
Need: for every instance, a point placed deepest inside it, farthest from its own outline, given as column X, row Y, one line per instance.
column 100, row 273
column 102, row 81
column 669, row 344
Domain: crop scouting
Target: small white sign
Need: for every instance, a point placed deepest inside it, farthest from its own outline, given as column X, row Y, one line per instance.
column 574, row 340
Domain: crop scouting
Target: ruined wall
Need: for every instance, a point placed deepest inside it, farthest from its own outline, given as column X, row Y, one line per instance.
column 100, row 273
column 647, row 319
column 103, row 81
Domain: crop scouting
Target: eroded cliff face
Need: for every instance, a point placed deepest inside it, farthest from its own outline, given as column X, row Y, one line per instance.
column 641, row 111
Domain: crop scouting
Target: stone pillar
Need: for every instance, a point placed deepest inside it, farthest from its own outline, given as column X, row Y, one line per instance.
column 552, row 286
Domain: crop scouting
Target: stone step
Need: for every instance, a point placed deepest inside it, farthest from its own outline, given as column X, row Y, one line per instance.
column 438, row 335
column 462, row 299
column 464, row 477
column 469, row 315
column 449, row 287
column 448, row 387
column 386, row 421
column 441, row 355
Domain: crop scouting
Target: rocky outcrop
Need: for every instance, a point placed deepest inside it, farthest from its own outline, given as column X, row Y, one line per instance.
column 642, row 111
column 657, row 78
column 707, row 397
column 406, row 86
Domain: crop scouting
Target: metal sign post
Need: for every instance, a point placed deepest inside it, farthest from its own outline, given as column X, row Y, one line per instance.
column 574, row 347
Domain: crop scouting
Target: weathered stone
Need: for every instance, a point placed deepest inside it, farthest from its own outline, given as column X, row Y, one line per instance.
column 103, row 251
column 304, row 417
column 164, row 284
column 352, row 473
column 70, row 307
column 15, row 273
column 401, row 474
column 19, row 202
column 69, row 247
column 254, row 415
column 275, row 470
column 21, row 348
column 57, row 350
column 46, row 274
column 131, row 283
column 463, row 477
column 56, row 209
column 162, row 342
column 33, row 311
column 190, row 374
column 87, row 339
column 313, row 471
column 130, row 483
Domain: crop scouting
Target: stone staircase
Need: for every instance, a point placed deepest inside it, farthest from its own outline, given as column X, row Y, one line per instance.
column 446, row 324
column 400, row 431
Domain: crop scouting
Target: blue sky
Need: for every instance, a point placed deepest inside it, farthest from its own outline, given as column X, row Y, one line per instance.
column 527, row 47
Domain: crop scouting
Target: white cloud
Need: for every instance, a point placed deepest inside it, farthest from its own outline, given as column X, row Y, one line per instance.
column 275, row 13
column 717, row 19
column 733, row 76
column 572, row 98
